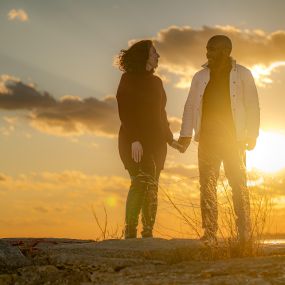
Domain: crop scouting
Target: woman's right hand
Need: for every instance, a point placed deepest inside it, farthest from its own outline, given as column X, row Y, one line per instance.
column 137, row 151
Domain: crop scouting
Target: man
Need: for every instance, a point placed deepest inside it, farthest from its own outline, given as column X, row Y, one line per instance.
column 222, row 109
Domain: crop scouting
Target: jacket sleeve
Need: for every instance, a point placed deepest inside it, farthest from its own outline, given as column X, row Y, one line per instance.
column 251, row 102
column 188, row 114
column 127, row 108
column 167, row 131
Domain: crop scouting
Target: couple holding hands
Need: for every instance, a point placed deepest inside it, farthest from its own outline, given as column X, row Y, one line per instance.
column 221, row 111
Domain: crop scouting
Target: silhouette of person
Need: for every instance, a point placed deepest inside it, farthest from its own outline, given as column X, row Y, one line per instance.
column 222, row 109
column 144, row 133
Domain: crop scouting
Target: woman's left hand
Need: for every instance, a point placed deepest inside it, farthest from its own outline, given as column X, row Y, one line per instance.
column 137, row 151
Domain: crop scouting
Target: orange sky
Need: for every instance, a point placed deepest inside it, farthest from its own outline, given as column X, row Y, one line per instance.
column 58, row 114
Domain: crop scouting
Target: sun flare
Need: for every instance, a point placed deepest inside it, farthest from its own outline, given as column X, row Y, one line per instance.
column 269, row 153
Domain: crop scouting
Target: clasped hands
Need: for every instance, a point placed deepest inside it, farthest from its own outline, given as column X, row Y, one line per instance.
column 182, row 144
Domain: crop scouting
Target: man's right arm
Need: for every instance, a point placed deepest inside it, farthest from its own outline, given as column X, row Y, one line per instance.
column 188, row 117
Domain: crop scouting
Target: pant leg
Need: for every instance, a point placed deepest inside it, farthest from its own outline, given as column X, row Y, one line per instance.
column 209, row 161
column 149, row 206
column 133, row 204
column 142, row 195
column 235, row 170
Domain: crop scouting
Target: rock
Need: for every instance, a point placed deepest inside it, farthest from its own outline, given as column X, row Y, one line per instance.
column 258, row 281
column 42, row 242
column 124, row 252
column 139, row 261
column 11, row 257
column 6, row 279
column 47, row 269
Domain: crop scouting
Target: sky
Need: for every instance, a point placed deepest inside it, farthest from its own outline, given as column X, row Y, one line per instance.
column 58, row 113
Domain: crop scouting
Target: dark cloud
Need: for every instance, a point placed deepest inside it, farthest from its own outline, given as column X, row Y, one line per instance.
column 69, row 115
column 17, row 95
column 183, row 49
column 72, row 115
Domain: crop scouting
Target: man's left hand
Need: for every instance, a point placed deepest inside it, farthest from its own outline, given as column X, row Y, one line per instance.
column 250, row 143
column 185, row 142
column 177, row 146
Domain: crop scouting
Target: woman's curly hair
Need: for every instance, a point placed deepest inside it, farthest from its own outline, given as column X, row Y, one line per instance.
column 134, row 58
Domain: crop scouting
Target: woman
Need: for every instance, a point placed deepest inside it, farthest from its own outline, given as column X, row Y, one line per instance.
column 144, row 132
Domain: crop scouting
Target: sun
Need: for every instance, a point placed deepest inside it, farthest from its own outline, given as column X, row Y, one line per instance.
column 269, row 153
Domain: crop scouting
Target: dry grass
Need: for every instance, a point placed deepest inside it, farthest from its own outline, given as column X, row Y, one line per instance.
column 105, row 230
column 188, row 213
column 229, row 245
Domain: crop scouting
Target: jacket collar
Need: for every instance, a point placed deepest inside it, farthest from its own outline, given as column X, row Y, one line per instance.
column 205, row 65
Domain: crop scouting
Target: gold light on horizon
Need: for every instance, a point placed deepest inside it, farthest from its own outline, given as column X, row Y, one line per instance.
column 268, row 155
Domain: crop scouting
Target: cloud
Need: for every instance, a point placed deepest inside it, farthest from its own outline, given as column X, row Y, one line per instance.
column 182, row 170
column 262, row 73
column 41, row 209
column 69, row 115
column 3, row 177
column 59, row 203
column 175, row 124
column 9, row 128
column 72, row 116
column 180, row 181
column 17, row 95
column 18, row 14
column 183, row 49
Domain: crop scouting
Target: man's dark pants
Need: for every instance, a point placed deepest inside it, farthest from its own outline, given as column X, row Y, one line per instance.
column 210, row 156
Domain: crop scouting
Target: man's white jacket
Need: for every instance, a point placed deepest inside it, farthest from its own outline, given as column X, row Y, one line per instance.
column 244, row 103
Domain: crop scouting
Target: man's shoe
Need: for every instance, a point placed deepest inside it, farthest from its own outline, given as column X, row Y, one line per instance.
column 147, row 234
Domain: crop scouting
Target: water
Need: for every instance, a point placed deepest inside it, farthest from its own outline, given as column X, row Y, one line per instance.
column 274, row 241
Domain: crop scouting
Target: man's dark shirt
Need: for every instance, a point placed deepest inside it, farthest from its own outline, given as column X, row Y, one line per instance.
column 217, row 121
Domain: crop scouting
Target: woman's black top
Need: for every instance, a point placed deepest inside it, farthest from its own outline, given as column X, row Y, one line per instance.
column 141, row 102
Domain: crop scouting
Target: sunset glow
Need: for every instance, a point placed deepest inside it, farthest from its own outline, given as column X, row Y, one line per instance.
column 269, row 154
column 59, row 119
column 262, row 73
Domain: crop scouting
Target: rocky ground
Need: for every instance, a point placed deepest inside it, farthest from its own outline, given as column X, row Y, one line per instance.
column 141, row 261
